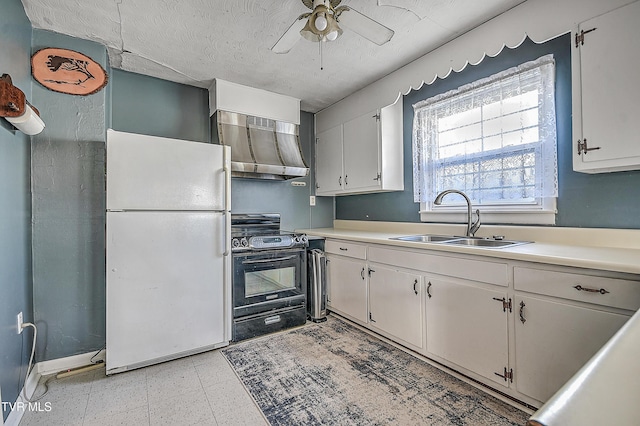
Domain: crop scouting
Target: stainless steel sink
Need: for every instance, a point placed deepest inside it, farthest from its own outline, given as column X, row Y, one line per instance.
column 426, row 238
column 461, row 241
column 482, row 242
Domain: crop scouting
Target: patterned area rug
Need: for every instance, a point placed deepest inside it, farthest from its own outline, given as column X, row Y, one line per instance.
column 333, row 373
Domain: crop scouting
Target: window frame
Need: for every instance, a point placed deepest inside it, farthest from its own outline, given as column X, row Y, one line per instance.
column 542, row 210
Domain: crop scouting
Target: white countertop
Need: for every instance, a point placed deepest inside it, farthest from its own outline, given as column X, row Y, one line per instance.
column 551, row 250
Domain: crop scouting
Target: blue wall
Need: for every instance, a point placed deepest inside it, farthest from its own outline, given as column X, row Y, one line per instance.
column 151, row 106
column 68, row 212
column 15, row 208
column 609, row 200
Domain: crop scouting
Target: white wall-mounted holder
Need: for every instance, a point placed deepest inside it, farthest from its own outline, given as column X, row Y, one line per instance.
column 15, row 108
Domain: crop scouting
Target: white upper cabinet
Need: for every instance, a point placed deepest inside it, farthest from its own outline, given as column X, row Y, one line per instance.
column 360, row 150
column 606, row 91
column 362, row 155
column 329, row 156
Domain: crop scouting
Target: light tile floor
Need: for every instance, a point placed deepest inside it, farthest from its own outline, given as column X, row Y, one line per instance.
column 198, row 390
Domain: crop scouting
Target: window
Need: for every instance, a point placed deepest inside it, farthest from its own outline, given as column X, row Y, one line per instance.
column 495, row 140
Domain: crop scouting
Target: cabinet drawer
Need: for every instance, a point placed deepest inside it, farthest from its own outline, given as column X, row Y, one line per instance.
column 475, row 270
column 345, row 248
column 614, row 292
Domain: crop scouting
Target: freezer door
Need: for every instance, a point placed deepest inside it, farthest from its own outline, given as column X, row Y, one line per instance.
column 168, row 291
column 153, row 173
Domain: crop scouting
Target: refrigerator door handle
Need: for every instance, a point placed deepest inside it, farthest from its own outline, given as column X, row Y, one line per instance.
column 227, row 204
column 227, row 239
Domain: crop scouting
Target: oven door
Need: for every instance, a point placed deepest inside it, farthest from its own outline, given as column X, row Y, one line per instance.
column 264, row 280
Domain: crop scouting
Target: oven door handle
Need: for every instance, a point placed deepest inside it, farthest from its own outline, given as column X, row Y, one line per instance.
column 277, row 259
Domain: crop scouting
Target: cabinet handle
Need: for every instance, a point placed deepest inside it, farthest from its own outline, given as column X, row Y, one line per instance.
column 371, row 318
column 429, row 289
column 345, row 180
column 415, row 283
column 340, row 181
column 522, row 318
column 591, row 290
column 370, row 271
column 362, row 273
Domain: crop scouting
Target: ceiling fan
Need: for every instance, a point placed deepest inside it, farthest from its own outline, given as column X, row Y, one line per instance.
column 321, row 24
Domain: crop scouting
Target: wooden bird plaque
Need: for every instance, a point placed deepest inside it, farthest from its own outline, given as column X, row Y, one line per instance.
column 67, row 71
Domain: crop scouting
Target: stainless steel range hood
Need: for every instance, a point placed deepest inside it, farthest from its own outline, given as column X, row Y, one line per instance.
column 260, row 147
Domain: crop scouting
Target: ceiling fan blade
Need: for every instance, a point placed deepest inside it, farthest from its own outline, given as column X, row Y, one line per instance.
column 363, row 25
column 291, row 36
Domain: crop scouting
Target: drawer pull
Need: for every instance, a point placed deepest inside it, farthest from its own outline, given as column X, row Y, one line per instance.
column 591, row 290
column 522, row 318
column 343, row 249
column 272, row 320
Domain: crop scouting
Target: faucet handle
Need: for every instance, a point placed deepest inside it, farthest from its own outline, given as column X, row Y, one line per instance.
column 475, row 225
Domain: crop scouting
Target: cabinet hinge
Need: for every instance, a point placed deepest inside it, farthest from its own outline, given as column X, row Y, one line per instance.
column 583, row 148
column 377, row 117
column 506, row 304
column 507, row 375
column 371, row 318
column 370, row 271
column 580, row 36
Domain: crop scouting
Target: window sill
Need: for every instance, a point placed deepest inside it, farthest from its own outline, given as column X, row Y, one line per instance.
column 519, row 217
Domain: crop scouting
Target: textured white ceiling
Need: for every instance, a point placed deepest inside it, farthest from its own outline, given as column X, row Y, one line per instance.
column 195, row 41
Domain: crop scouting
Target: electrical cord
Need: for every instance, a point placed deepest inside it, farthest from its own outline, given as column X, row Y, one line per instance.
column 100, row 361
column 33, row 351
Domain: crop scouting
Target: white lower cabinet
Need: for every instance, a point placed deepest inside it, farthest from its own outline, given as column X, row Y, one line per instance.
column 467, row 326
column 347, row 286
column 522, row 328
column 554, row 340
column 396, row 304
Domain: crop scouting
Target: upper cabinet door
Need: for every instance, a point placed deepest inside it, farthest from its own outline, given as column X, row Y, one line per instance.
column 606, row 92
column 329, row 177
column 361, row 152
column 153, row 173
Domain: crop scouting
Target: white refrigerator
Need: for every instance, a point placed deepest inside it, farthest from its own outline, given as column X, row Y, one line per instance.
column 168, row 257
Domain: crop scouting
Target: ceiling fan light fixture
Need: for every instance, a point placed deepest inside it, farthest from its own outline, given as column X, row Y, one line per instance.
column 322, row 17
column 320, row 22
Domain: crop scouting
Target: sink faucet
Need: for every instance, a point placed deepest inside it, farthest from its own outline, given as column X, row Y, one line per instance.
column 472, row 227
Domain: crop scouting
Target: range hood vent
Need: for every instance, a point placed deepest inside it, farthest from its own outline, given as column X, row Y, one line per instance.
column 260, row 147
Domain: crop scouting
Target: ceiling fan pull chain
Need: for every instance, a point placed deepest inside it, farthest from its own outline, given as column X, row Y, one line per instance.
column 320, row 46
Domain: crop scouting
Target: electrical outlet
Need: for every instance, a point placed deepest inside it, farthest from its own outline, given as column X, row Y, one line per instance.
column 20, row 320
column 312, row 200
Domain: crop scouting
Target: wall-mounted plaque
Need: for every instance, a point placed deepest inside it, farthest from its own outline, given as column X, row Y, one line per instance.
column 67, row 71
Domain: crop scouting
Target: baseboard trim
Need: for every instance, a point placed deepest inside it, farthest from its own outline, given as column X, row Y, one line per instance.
column 22, row 405
column 42, row 369
column 67, row 363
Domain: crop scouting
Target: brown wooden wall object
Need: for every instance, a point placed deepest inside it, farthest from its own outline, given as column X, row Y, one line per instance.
column 67, row 71
column 12, row 99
